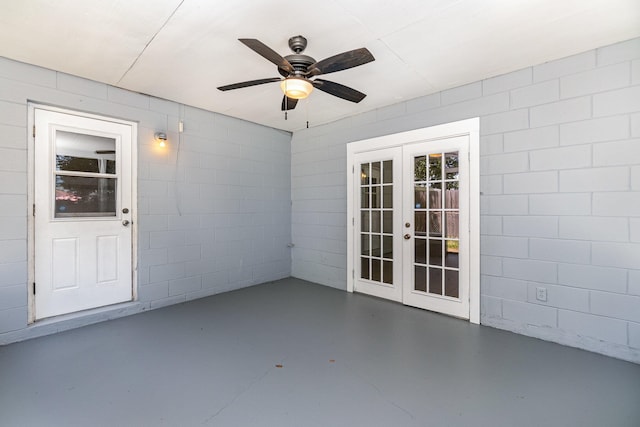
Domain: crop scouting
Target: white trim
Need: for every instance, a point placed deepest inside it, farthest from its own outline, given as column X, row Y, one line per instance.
column 469, row 127
column 32, row 106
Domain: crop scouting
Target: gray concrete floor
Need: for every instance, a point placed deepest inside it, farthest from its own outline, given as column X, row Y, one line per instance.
column 346, row 360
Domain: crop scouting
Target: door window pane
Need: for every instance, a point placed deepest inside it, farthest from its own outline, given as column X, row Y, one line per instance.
column 420, row 278
column 435, row 252
column 376, row 266
column 387, row 272
column 451, row 196
column 375, row 173
column 451, row 253
column 387, row 247
column 364, row 244
column 364, row 268
column 364, row 220
column 435, row 195
column 451, row 287
column 387, row 196
column 387, row 222
column 451, row 230
column 364, row 174
column 420, row 196
column 375, row 196
column 435, row 281
column 375, row 245
column 85, row 153
column 451, row 165
column 435, row 224
column 420, row 251
column 435, row 167
column 375, row 221
column 420, row 168
column 77, row 196
column 364, row 197
column 387, row 171
column 421, row 223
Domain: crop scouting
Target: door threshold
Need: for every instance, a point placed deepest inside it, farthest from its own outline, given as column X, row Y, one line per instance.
column 65, row 322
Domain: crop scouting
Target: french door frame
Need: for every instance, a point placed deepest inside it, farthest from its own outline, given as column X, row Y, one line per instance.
column 469, row 128
column 32, row 106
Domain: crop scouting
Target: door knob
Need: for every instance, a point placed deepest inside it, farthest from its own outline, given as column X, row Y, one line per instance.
column 125, row 222
column 407, row 236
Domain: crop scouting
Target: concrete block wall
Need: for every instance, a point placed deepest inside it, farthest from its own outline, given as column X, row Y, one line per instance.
column 560, row 195
column 212, row 217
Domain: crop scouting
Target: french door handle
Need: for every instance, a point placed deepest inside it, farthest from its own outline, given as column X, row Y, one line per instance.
column 407, row 236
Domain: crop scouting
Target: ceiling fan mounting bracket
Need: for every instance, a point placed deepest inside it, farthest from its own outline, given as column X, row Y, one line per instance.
column 298, row 44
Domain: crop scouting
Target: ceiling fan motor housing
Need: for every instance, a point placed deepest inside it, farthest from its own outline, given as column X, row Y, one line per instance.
column 300, row 64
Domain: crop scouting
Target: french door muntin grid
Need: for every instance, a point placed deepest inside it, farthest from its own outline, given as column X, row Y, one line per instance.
column 436, row 227
column 376, row 221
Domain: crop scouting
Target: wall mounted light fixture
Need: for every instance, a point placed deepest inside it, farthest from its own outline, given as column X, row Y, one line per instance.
column 161, row 137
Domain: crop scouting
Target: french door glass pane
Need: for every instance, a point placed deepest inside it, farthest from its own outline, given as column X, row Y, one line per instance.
column 420, row 278
column 387, row 222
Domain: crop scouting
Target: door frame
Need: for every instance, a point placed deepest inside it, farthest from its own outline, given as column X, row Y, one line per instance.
column 32, row 106
column 469, row 128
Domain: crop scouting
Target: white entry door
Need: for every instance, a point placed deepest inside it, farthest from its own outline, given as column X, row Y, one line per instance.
column 410, row 211
column 82, row 212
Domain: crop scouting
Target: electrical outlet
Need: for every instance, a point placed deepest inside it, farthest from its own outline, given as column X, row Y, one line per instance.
column 541, row 294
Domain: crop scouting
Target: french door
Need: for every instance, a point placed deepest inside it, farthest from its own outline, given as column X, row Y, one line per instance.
column 411, row 224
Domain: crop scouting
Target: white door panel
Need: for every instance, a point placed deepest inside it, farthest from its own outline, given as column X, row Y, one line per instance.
column 82, row 195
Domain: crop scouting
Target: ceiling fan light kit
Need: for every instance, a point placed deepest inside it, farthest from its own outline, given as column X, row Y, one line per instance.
column 299, row 71
column 296, row 87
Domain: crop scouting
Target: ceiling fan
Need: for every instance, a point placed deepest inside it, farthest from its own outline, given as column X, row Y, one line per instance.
column 299, row 71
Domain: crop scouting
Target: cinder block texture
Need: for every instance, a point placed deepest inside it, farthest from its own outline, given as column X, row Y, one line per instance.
column 560, row 193
column 216, row 213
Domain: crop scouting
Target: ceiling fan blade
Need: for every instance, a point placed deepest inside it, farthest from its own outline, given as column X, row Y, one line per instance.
column 266, row 52
column 288, row 103
column 336, row 89
column 249, row 83
column 341, row 61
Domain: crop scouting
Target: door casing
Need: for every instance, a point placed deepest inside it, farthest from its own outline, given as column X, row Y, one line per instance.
column 469, row 128
column 32, row 106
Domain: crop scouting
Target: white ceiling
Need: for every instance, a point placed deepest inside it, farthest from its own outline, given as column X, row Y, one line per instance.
column 183, row 49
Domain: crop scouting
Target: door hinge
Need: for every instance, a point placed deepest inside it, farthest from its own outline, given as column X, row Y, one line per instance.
column 353, row 274
column 34, row 131
column 353, row 220
column 34, row 288
column 353, row 168
column 34, row 209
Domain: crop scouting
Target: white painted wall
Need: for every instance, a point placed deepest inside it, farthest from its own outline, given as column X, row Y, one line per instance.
column 213, row 219
column 560, row 195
